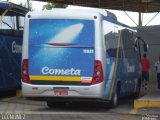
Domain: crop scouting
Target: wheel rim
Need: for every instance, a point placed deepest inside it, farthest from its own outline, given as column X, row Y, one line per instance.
column 115, row 99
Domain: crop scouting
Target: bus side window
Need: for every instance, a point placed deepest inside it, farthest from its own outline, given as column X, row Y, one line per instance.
column 12, row 22
column 110, row 39
column 128, row 40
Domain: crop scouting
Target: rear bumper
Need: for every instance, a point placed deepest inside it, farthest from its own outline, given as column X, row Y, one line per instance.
column 92, row 91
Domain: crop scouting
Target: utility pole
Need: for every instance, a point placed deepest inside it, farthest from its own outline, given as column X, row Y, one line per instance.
column 140, row 20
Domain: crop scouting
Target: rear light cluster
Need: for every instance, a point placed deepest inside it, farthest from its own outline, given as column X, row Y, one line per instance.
column 25, row 73
column 98, row 72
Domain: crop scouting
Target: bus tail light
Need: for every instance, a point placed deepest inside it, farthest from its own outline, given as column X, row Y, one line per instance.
column 25, row 73
column 98, row 72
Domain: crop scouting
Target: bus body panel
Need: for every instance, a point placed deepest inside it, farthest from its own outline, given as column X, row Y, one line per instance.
column 64, row 52
column 10, row 60
column 128, row 66
column 93, row 91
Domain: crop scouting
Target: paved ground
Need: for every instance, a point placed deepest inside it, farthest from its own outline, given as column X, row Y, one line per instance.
column 12, row 107
column 19, row 108
column 150, row 99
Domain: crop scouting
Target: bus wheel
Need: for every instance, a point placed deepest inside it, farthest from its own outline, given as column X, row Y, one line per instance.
column 114, row 101
column 138, row 88
column 116, row 95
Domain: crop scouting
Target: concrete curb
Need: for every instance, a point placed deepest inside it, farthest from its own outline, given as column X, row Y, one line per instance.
column 19, row 93
column 145, row 103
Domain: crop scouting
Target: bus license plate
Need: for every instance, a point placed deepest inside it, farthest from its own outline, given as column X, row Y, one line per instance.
column 60, row 92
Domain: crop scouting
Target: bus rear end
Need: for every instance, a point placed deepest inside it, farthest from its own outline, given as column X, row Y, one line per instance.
column 59, row 56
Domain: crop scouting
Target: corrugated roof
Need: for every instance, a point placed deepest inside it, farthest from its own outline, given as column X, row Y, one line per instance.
column 145, row 6
column 13, row 9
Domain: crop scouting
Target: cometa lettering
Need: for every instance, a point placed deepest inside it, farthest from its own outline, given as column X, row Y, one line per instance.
column 130, row 68
column 16, row 48
column 50, row 71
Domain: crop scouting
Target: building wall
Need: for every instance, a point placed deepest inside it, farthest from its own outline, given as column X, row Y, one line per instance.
column 152, row 35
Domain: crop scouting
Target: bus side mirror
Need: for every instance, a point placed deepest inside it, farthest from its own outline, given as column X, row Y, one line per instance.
column 145, row 47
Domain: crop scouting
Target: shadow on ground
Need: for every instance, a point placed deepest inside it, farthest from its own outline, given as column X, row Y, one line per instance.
column 91, row 106
column 7, row 93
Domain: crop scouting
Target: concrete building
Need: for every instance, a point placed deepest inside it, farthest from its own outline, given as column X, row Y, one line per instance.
column 152, row 35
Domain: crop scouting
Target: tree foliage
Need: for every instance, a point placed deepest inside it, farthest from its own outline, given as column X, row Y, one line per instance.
column 26, row 5
column 49, row 6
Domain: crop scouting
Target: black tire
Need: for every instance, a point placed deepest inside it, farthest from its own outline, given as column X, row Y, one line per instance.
column 114, row 101
column 138, row 89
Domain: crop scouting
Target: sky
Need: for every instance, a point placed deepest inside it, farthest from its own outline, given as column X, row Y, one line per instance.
column 121, row 16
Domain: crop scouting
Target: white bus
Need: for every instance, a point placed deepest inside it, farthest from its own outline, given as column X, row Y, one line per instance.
column 72, row 54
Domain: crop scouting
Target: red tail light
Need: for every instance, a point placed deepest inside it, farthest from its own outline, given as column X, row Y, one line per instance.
column 98, row 72
column 25, row 73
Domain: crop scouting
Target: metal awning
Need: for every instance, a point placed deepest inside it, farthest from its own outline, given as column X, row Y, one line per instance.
column 13, row 9
column 146, row 6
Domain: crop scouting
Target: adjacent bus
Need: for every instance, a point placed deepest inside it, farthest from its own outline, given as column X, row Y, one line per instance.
column 79, row 55
column 11, row 35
